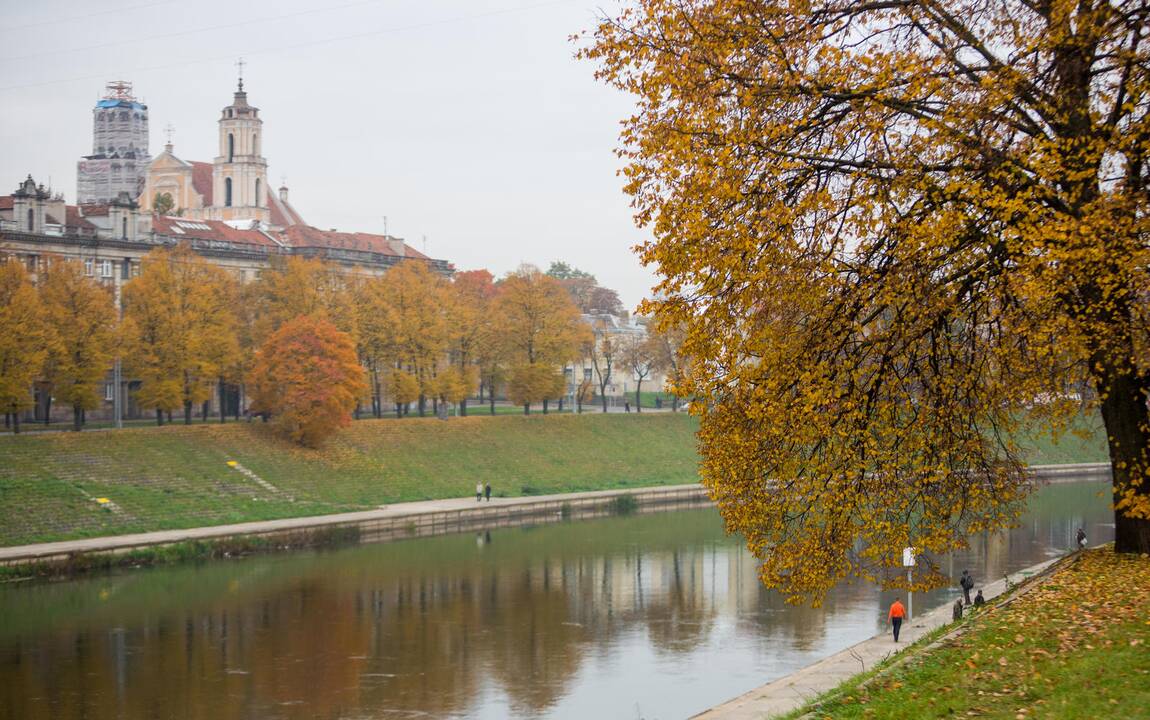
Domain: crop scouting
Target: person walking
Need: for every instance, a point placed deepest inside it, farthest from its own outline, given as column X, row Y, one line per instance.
column 478, row 491
column 895, row 616
column 966, row 582
column 487, row 492
column 1080, row 539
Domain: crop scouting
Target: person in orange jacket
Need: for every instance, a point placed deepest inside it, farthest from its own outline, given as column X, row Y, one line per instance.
column 895, row 616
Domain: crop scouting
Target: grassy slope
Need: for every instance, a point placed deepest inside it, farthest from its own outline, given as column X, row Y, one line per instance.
column 178, row 476
column 1076, row 646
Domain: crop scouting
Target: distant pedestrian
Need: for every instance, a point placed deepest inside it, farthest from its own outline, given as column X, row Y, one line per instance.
column 627, row 406
column 478, row 491
column 895, row 616
column 979, row 600
column 487, row 491
column 957, row 611
column 966, row 582
column 1080, row 539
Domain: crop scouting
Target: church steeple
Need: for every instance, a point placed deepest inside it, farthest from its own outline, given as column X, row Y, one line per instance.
column 239, row 174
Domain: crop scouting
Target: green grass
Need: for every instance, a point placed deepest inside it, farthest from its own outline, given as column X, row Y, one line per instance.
column 1075, row 646
column 177, row 476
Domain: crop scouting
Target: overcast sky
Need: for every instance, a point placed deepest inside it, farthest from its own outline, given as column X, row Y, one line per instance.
column 465, row 121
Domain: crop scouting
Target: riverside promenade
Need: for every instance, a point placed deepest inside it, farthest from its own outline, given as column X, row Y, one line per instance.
column 792, row 691
column 413, row 519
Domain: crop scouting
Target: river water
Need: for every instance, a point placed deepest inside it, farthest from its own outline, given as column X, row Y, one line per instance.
column 650, row 616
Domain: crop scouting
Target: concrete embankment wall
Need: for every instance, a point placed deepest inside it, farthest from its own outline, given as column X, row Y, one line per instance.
column 406, row 520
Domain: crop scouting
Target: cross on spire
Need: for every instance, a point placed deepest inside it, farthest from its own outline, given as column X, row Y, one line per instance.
column 169, row 130
column 240, row 66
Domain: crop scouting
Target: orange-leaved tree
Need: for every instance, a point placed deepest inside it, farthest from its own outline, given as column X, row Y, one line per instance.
column 82, row 316
column 892, row 233
column 24, row 339
column 307, row 379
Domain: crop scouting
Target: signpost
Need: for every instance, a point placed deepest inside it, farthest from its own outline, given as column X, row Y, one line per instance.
column 908, row 563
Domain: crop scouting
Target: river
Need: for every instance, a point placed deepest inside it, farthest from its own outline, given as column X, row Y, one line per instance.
column 651, row 616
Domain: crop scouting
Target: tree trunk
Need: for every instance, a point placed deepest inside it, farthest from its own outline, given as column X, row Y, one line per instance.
column 355, row 413
column 560, row 406
column 77, row 418
column 223, row 405
column 492, row 397
column 16, row 422
column 638, row 400
column 1127, row 420
column 603, row 397
column 160, row 417
column 398, row 410
column 463, row 407
column 48, row 409
column 526, row 408
column 422, row 404
column 545, row 401
column 187, row 412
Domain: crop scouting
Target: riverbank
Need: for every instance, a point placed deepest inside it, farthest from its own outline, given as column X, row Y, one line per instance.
column 64, row 486
column 1046, row 648
column 402, row 521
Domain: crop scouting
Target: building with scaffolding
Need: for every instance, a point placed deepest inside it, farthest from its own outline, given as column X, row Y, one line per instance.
column 119, row 160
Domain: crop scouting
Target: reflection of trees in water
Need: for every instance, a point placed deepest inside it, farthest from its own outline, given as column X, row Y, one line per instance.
column 426, row 626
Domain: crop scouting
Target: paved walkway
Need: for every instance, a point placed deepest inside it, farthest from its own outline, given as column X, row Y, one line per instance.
column 791, row 692
column 25, row 553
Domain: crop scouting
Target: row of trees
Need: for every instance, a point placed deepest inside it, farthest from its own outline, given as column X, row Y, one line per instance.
column 304, row 335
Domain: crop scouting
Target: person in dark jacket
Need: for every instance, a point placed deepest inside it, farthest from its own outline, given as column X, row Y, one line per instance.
column 966, row 582
column 958, row 609
column 979, row 599
column 487, row 492
column 1080, row 539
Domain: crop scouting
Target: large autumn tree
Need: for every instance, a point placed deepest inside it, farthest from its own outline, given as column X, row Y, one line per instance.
column 307, row 379
column 82, row 316
column 887, row 228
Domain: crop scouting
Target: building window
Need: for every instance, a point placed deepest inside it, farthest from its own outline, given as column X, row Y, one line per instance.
column 227, row 192
column 32, row 261
column 135, row 269
column 257, row 202
column 124, row 228
column 89, row 267
column 106, row 269
column 231, row 147
column 586, row 373
column 109, row 392
column 31, row 221
column 255, row 144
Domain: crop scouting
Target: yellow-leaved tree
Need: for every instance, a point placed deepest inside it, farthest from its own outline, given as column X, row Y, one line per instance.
column 179, row 330
column 81, row 314
column 24, row 339
column 540, row 329
column 887, row 229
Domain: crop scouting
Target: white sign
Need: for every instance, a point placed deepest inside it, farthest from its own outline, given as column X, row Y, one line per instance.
column 908, row 557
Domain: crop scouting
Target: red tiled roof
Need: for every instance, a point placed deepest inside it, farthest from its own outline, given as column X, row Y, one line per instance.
column 202, row 180
column 176, row 227
column 76, row 220
column 308, row 236
column 282, row 213
column 6, row 202
column 94, row 210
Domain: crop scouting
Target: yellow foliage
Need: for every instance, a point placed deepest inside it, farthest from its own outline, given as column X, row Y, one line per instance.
column 887, row 233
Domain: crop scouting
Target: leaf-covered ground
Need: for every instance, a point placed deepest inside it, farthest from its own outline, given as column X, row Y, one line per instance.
column 1075, row 646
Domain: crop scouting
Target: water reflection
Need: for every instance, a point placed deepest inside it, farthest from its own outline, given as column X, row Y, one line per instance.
column 657, row 616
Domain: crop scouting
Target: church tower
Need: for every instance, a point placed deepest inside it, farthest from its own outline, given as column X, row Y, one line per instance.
column 239, row 172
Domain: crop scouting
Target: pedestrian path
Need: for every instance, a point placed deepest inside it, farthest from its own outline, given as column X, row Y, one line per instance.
column 114, row 543
column 792, row 691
